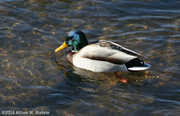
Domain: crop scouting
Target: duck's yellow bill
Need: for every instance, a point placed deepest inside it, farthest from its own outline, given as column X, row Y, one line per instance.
column 63, row 46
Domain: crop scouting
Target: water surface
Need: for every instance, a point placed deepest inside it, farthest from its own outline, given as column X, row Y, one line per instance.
column 33, row 77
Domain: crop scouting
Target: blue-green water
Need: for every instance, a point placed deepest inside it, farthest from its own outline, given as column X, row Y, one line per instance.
column 34, row 78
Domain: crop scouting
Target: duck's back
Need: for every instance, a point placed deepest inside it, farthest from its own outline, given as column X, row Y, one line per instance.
column 107, row 51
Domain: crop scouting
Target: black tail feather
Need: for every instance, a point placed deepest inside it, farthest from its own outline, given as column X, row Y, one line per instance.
column 134, row 62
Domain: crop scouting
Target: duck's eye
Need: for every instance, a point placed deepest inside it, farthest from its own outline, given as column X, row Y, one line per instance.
column 68, row 38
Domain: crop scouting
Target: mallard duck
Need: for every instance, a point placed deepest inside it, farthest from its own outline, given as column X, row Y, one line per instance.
column 101, row 56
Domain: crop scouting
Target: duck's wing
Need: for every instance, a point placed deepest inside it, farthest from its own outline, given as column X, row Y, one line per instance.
column 115, row 46
column 107, row 51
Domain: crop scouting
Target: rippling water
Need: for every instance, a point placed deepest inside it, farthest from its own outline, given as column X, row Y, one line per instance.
column 33, row 77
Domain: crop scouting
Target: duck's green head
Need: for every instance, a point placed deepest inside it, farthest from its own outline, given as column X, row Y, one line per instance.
column 75, row 39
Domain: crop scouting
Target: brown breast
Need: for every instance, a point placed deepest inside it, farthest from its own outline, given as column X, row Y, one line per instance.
column 70, row 56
